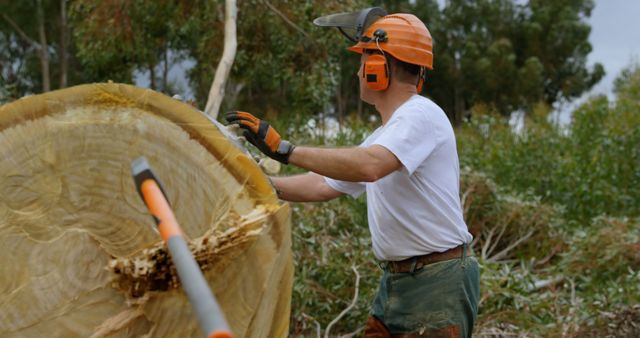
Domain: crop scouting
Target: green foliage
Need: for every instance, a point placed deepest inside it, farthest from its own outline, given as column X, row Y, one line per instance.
column 114, row 38
column 504, row 54
column 590, row 290
column 328, row 239
column 20, row 71
column 283, row 65
column 14, row 76
column 590, row 169
column 508, row 226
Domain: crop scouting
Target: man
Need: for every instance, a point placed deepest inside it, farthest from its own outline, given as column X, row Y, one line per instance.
column 409, row 169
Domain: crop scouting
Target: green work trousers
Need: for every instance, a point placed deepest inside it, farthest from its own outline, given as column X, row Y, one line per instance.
column 439, row 300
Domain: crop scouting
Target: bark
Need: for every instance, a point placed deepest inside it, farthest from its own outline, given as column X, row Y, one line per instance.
column 458, row 106
column 44, row 52
column 165, row 69
column 152, row 75
column 458, row 99
column 20, row 32
column 340, row 105
column 216, row 93
column 63, row 44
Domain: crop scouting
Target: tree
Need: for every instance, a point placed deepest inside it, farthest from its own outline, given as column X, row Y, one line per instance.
column 283, row 64
column 18, row 23
column 116, row 37
column 508, row 55
column 501, row 53
column 36, row 54
column 216, row 93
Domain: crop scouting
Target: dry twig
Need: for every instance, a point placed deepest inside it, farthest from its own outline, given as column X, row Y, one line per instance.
column 284, row 17
column 504, row 252
column 353, row 303
column 318, row 328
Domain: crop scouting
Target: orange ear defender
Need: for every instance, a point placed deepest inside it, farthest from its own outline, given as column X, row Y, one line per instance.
column 376, row 72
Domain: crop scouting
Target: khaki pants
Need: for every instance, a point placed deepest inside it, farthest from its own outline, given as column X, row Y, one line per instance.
column 440, row 300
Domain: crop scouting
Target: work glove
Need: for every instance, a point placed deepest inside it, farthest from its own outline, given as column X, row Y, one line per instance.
column 261, row 135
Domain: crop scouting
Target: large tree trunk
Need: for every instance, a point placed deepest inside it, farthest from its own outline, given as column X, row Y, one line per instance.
column 80, row 254
column 63, row 44
column 44, row 50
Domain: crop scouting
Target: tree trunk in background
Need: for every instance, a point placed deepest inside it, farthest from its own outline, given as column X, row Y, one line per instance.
column 165, row 70
column 44, row 51
column 458, row 106
column 152, row 75
column 359, row 108
column 216, row 93
column 63, row 44
column 340, row 105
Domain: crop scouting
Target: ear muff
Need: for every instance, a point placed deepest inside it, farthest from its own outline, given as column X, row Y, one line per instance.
column 376, row 72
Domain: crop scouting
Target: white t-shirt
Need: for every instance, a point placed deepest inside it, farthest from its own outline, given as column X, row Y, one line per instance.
column 415, row 210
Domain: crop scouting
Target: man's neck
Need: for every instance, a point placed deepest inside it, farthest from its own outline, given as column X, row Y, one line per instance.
column 393, row 98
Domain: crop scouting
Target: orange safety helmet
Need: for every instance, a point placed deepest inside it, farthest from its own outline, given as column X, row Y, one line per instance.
column 403, row 36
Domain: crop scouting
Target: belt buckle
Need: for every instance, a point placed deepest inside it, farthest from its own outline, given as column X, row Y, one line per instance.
column 393, row 266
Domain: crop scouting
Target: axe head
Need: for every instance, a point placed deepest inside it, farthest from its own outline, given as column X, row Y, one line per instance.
column 141, row 171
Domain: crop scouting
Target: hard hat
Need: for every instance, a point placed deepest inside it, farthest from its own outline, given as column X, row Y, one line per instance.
column 403, row 36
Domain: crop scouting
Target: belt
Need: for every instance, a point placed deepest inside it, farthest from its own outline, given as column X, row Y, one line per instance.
column 418, row 262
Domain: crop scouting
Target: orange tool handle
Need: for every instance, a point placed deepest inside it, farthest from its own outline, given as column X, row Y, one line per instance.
column 195, row 286
column 160, row 209
column 220, row 334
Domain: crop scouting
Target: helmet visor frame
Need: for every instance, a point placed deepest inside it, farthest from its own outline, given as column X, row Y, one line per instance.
column 352, row 24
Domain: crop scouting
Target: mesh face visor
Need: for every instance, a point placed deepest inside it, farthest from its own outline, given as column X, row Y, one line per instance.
column 352, row 25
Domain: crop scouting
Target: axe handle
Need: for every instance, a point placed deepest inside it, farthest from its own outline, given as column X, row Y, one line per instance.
column 204, row 304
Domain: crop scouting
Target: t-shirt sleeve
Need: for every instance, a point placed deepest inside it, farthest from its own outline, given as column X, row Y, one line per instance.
column 354, row 189
column 411, row 137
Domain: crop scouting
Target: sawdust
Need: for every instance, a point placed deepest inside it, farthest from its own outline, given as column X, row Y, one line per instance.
column 110, row 99
column 152, row 268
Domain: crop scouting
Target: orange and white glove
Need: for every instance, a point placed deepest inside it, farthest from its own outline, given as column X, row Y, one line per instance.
column 262, row 135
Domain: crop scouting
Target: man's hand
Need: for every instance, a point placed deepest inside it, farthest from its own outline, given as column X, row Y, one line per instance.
column 262, row 135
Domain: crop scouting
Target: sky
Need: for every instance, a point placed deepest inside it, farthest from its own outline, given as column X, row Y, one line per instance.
column 615, row 38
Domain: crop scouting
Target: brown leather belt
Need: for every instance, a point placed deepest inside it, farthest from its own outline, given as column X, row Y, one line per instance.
column 418, row 262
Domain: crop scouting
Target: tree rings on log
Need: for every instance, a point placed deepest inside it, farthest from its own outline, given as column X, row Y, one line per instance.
column 80, row 255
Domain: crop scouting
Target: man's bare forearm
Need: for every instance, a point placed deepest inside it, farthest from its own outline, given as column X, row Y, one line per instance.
column 346, row 164
column 308, row 187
